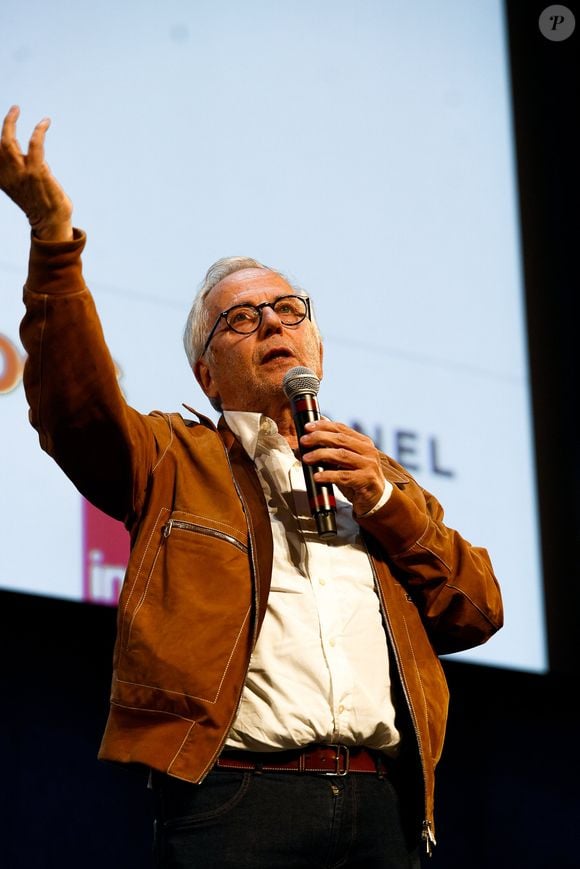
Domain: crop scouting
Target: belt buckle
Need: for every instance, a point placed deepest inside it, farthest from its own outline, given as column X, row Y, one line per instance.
column 341, row 751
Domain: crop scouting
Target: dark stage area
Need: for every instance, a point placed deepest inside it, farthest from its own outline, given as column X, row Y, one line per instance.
column 507, row 786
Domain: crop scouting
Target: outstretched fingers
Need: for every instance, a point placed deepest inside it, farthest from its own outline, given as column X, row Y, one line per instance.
column 27, row 180
column 10, row 149
column 35, row 157
column 8, row 140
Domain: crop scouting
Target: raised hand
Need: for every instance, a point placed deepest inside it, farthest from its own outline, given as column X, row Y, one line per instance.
column 28, row 181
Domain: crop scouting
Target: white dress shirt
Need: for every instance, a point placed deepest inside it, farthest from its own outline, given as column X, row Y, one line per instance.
column 320, row 668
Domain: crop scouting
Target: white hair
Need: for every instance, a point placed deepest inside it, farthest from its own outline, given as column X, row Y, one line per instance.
column 197, row 326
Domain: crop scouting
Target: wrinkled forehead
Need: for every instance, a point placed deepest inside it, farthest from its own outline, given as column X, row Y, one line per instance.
column 247, row 285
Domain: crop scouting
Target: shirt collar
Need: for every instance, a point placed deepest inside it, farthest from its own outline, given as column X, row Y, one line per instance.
column 251, row 429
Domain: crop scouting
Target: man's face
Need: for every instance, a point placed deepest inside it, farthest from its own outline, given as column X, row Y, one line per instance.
column 245, row 372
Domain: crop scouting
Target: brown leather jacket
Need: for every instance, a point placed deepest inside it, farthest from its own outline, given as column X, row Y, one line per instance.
column 198, row 578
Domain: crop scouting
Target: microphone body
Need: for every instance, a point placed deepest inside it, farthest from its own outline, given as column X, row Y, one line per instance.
column 301, row 388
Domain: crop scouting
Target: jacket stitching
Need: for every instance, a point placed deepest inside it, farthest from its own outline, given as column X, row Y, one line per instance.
column 473, row 604
column 185, row 738
column 143, row 596
column 145, row 551
column 409, row 548
column 195, row 696
column 153, row 711
column 164, row 453
column 422, row 546
column 434, row 554
column 234, row 647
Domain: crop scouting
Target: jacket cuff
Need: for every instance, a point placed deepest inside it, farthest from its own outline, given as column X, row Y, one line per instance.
column 49, row 261
column 397, row 525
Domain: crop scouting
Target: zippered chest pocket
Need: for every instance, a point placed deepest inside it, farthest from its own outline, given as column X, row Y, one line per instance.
column 181, row 525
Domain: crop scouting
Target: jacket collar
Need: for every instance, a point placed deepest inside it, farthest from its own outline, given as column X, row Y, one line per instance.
column 257, row 516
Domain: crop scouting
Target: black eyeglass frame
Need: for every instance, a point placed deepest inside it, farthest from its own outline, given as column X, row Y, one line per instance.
column 259, row 308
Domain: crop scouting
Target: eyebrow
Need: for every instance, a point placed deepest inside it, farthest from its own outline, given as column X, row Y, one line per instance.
column 267, row 302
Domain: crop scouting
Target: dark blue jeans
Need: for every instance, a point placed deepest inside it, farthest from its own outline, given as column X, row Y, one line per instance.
column 240, row 818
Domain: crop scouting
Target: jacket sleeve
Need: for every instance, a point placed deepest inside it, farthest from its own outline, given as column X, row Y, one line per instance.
column 451, row 582
column 76, row 405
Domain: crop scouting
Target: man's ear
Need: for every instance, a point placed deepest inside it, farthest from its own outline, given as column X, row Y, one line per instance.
column 204, row 377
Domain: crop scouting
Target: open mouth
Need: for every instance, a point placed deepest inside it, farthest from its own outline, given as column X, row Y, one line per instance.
column 276, row 353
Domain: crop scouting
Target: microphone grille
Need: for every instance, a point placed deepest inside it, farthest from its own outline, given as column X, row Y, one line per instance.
column 299, row 381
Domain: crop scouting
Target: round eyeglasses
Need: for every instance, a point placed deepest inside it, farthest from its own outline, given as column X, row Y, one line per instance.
column 245, row 319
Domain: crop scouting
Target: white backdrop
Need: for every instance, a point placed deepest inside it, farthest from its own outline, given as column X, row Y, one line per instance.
column 363, row 148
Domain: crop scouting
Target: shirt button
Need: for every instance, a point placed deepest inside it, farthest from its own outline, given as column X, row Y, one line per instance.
column 341, row 708
column 322, row 582
column 333, row 643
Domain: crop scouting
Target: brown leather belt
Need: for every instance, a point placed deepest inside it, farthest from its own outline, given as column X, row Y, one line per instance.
column 328, row 759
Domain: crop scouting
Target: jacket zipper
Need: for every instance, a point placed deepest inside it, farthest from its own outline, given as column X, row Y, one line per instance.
column 427, row 836
column 201, row 529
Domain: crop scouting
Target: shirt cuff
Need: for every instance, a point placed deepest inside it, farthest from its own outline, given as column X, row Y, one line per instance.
column 380, row 503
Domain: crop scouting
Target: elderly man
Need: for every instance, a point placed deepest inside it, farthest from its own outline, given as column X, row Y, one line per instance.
column 283, row 688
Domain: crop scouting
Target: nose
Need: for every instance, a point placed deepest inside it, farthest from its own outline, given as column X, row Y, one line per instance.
column 270, row 323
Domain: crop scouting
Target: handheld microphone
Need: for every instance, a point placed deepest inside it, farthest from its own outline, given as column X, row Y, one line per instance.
column 301, row 387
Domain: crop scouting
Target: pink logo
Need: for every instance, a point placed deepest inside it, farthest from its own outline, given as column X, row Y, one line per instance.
column 105, row 556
